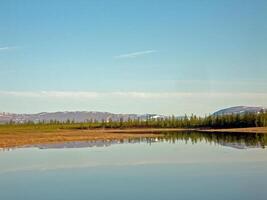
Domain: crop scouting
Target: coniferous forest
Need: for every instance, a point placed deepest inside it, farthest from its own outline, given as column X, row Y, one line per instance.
column 211, row 121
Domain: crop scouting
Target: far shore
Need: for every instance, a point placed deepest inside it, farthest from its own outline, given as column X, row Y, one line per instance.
column 237, row 130
column 10, row 138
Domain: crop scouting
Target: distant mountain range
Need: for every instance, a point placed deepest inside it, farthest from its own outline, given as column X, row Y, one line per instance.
column 240, row 110
column 78, row 116
column 83, row 116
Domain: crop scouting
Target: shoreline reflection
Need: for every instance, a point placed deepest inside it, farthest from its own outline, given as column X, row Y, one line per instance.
column 234, row 140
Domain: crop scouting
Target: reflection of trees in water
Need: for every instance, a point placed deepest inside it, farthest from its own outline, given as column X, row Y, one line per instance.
column 237, row 140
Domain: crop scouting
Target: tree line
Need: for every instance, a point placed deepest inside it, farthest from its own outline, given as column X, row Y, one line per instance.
column 211, row 121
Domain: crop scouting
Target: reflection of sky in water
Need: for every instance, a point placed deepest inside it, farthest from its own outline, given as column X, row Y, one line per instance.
column 161, row 170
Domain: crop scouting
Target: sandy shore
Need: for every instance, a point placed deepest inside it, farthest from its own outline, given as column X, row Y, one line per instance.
column 19, row 138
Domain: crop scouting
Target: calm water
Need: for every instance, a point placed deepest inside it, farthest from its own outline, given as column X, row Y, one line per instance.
column 178, row 166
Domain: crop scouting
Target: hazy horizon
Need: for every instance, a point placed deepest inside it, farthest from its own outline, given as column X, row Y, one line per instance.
column 165, row 57
column 140, row 113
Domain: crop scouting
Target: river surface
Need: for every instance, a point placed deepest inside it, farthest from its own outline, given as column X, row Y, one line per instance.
column 178, row 166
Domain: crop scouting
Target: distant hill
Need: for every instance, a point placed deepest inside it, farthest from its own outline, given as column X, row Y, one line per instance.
column 84, row 116
column 78, row 116
column 240, row 110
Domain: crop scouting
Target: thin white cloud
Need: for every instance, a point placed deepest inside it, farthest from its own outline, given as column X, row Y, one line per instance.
column 167, row 103
column 51, row 94
column 135, row 54
column 7, row 48
column 131, row 94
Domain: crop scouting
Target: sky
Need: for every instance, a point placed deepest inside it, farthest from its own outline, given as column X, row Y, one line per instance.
column 166, row 57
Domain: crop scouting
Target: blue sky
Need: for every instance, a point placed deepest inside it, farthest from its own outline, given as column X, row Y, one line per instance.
column 169, row 57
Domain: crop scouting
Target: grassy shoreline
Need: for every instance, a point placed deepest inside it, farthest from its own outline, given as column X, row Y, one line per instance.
column 18, row 137
column 21, row 136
